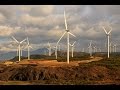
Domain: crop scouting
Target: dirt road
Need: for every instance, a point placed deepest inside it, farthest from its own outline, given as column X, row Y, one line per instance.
column 54, row 63
column 91, row 60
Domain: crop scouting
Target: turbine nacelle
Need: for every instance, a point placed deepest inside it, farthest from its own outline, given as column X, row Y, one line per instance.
column 107, row 33
column 67, row 30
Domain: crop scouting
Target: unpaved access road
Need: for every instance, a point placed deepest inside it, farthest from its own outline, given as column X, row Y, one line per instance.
column 54, row 63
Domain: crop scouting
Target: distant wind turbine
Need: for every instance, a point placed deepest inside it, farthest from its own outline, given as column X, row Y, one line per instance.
column 28, row 47
column 49, row 49
column 95, row 49
column 83, row 50
column 72, row 45
column 90, row 48
column 55, row 47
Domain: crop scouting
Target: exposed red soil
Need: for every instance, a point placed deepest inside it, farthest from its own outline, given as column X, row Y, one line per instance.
column 59, row 71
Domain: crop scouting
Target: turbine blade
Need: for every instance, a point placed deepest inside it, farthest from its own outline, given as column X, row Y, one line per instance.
column 74, row 43
column 15, row 39
column 110, row 30
column 31, row 47
column 71, row 34
column 61, row 37
column 28, row 41
column 104, row 30
column 65, row 21
column 23, row 40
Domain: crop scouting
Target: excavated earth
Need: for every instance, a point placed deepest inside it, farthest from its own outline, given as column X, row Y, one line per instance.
column 36, row 74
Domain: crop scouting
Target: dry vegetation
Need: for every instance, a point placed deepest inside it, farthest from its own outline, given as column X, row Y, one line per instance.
column 39, row 72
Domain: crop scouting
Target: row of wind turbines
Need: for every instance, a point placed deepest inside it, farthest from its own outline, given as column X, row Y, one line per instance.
column 19, row 47
column 68, row 33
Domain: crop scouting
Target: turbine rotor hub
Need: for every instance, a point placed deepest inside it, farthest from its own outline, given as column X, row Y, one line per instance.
column 67, row 30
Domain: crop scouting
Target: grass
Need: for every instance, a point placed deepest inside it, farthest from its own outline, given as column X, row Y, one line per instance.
column 112, row 63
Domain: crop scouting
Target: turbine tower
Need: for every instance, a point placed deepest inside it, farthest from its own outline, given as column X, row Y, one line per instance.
column 72, row 47
column 19, row 46
column 108, row 36
column 68, row 33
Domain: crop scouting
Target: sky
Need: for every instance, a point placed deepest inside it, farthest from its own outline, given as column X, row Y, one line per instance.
column 45, row 23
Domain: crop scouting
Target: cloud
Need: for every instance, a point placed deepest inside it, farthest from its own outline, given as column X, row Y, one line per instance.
column 46, row 23
column 42, row 10
column 2, row 18
column 6, row 31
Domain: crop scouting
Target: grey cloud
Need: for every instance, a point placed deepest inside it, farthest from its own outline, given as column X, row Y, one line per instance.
column 42, row 10
column 46, row 23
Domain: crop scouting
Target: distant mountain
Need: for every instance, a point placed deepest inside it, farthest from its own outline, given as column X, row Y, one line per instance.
column 10, row 55
column 6, row 56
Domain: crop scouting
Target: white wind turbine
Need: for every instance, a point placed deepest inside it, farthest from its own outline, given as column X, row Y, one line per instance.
column 108, row 36
column 72, row 47
column 68, row 33
column 110, row 46
column 95, row 49
column 20, row 50
column 83, row 50
column 49, row 48
column 99, row 49
column 28, row 47
column 114, row 47
column 90, row 48
column 19, row 46
column 55, row 47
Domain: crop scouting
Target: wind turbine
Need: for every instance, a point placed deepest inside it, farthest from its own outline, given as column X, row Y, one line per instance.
column 28, row 47
column 95, row 49
column 55, row 47
column 90, row 48
column 49, row 48
column 67, row 31
column 110, row 46
column 19, row 46
column 72, row 47
column 83, row 50
column 114, row 47
column 99, row 49
column 108, row 36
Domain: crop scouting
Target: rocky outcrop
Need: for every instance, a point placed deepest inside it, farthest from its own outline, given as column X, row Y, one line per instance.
column 30, row 73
